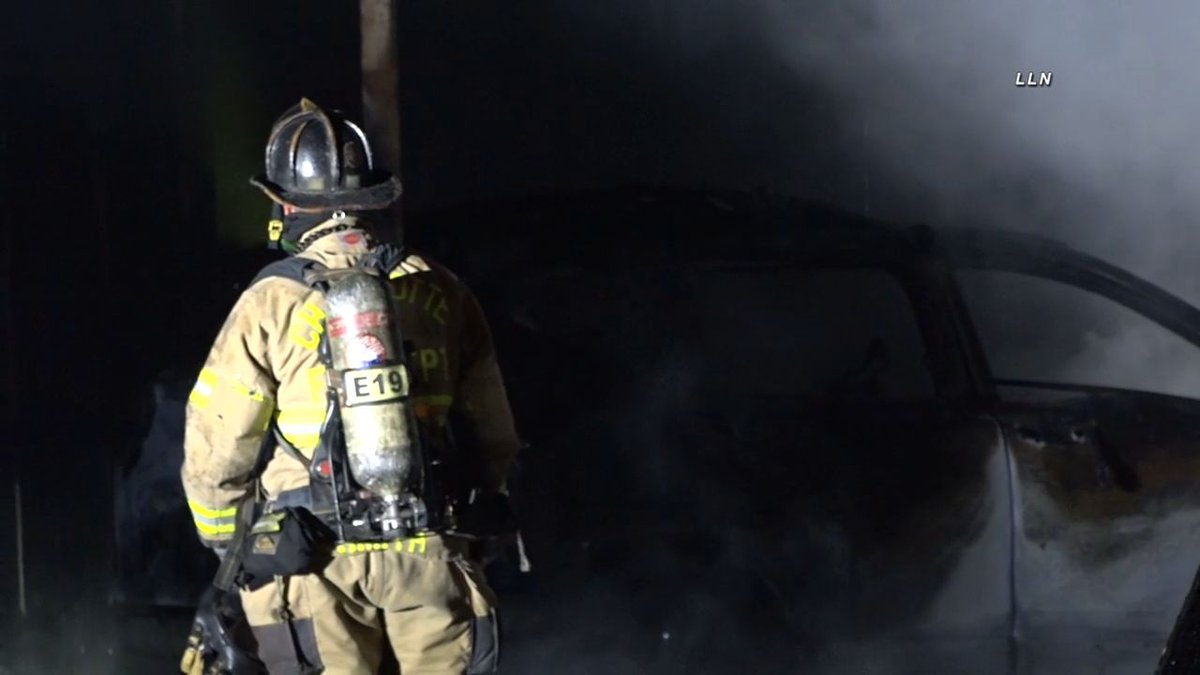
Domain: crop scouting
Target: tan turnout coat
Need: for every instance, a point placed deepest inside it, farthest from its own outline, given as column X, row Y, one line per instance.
column 264, row 368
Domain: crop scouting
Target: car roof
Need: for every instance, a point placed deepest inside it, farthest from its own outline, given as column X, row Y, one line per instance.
column 637, row 226
column 646, row 225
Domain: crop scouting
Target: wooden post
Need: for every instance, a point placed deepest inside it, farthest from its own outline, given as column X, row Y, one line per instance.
column 381, row 88
column 10, row 356
column 20, row 522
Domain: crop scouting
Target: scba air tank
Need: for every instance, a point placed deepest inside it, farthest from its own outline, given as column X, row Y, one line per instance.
column 369, row 371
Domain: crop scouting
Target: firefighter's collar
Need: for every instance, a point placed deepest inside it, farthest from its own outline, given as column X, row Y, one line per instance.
column 338, row 235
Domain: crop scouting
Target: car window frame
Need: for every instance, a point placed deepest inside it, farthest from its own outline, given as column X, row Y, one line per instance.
column 1049, row 260
column 918, row 276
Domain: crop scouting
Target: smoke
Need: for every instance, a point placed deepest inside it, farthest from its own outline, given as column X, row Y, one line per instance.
column 1104, row 157
column 909, row 111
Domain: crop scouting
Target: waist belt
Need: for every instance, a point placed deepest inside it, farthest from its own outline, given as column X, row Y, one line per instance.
column 302, row 498
column 291, row 499
column 417, row 544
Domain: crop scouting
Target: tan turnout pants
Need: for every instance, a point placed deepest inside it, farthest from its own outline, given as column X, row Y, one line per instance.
column 430, row 604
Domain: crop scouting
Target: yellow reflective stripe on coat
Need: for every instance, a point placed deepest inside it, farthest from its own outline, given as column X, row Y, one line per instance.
column 302, row 427
column 203, row 390
column 213, row 521
column 203, row 511
column 317, row 386
column 207, row 385
column 215, row 530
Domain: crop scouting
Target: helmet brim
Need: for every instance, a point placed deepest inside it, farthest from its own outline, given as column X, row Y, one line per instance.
column 378, row 196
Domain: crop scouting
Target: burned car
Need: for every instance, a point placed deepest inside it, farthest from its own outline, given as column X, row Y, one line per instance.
column 771, row 435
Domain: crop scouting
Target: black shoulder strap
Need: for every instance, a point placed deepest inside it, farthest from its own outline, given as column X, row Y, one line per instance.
column 292, row 267
column 384, row 258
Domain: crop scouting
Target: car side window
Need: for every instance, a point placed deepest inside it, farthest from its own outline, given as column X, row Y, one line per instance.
column 742, row 332
column 812, row 332
column 1041, row 330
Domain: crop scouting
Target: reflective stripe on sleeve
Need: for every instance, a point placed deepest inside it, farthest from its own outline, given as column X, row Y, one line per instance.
column 213, row 522
column 203, row 391
column 302, row 427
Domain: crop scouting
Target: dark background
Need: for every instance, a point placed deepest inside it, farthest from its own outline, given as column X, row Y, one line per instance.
column 130, row 129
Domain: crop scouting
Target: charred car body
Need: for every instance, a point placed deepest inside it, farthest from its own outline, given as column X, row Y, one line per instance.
column 767, row 434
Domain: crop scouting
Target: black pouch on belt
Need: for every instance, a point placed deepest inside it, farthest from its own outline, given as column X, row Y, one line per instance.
column 285, row 543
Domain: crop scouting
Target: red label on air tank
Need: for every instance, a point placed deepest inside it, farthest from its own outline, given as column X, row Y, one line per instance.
column 356, row 323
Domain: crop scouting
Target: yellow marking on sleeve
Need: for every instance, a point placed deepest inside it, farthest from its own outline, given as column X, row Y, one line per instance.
column 317, row 385
column 202, row 392
column 302, row 427
column 414, row 544
column 205, row 512
column 303, row 436
column 216, row 529
column 314, row 416
column 307, row 332
column 304, row 442
column 263, row 406
column 253, row 395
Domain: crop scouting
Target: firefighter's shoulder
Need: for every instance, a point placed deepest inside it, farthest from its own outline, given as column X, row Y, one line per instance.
column 417, row 262
column 281, row 288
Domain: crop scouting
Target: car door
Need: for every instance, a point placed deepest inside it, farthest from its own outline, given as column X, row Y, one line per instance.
column 1097, row 376
column 762, row 468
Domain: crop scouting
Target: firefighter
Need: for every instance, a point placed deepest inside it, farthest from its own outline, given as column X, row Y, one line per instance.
column 269, row 421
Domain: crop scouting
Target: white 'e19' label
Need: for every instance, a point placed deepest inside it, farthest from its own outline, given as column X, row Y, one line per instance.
column 375, row 385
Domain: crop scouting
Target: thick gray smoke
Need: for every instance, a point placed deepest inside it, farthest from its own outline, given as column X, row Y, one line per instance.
column 910, row 111
column 1105, row 157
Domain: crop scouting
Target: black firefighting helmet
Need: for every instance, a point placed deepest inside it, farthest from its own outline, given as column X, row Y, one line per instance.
column 318, row 161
